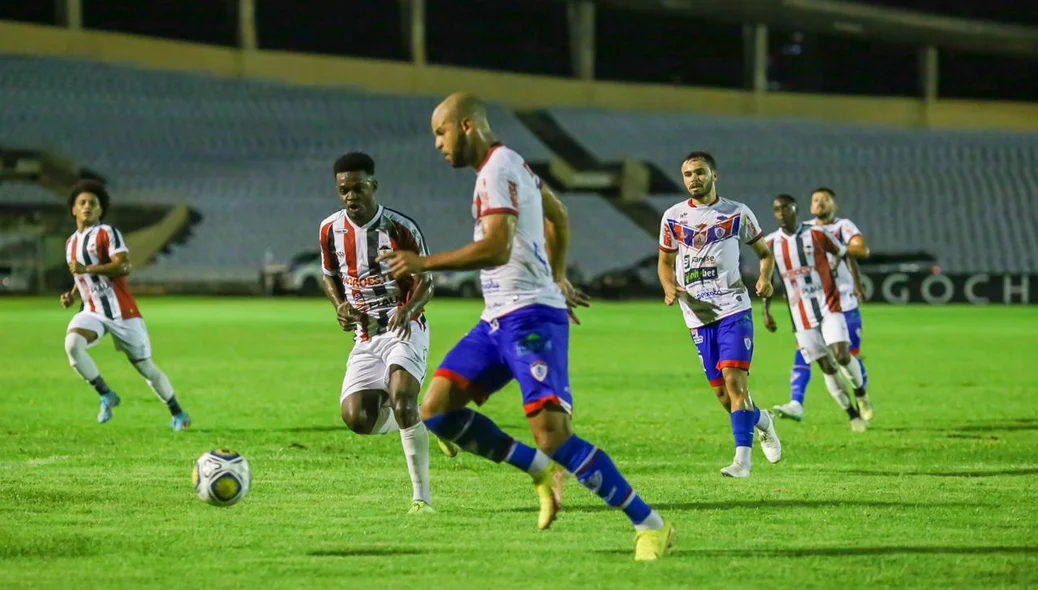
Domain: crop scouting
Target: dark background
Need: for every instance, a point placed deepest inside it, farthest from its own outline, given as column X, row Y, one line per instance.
column 531, row 36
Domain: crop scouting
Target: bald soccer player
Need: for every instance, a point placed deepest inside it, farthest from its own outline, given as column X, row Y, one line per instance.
column 523, row 333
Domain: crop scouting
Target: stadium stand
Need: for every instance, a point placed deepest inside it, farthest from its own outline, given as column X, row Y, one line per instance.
column 971, row 198
column 255, row 158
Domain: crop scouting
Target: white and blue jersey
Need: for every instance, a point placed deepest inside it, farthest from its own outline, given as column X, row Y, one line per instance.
column 523, row 333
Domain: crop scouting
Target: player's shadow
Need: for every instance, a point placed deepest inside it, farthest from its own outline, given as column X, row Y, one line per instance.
column 754, row 504
column 1016, row 424
column 970, row 473
column 283, row 429
column 367, row 552
column 842, row 551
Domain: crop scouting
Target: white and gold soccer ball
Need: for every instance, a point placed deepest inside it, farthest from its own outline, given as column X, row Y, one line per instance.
column 221, row 477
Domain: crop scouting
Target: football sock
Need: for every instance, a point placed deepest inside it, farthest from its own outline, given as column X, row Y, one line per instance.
column 385, row 423
column 761, row 419
column 478, row 435
column 799, row 377
column 853, row 372
column 742, row 430
column 415, row 441
column 593, row 468
column 864, row 374
column 835, row 387
column 159, row 383
column 80, row 361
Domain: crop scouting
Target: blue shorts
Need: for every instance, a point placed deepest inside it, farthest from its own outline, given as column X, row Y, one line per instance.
column 727, row 342
column 853, row 318
column 530, row 345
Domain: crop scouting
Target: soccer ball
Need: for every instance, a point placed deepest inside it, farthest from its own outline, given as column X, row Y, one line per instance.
column 221, row 477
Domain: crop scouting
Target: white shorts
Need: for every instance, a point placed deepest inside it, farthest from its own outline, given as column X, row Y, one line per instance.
column 814, row 343
column 369, row 362
column 130, row 335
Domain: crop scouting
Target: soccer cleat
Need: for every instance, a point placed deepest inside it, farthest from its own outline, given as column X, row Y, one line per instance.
column 450, row 449
column 865, row 407
column 421, row 507
column 549, row 491
column 737, row 470
column 859, row 425
column 651, row 545
column 108, row 401
column 180, row 422
column 792, row 410
column 769, row 441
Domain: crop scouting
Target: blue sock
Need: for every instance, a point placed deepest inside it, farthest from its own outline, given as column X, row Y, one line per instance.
column 799, row 377
column 864, row 375
column 478, row 435
column 743, row 422
column 595, row 470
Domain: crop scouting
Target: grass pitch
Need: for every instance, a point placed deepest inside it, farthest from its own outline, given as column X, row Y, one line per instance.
column 939, row 493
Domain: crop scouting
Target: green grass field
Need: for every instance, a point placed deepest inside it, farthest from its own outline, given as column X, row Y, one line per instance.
column 939, row 493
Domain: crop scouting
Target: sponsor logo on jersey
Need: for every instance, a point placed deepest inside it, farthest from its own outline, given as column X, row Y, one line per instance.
column 700, row 274
column 360, row 283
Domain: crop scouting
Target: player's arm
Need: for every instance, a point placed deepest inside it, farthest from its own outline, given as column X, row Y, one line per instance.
column 331, row 284
column 767, row 268
column 493, row 250
column 859, row 290
column 556, row 233
column 665, row 271
column 118, row 266
column 69, row 297
column 856, row 248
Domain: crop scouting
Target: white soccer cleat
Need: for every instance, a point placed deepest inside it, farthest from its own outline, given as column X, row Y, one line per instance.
column 737, row 470
column 865, row 408
column 859, row 425
column 769, row 441
column 792, row 410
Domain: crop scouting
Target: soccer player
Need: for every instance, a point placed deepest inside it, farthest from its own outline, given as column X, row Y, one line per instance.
column 848, row 281
column 802, row 254
column 699, row 269
column 523, row 333
column 386, row 367
column 99, row 261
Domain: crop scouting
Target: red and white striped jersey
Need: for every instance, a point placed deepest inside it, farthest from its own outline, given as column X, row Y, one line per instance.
column 802, row 258
column 844, row 230
column 100, row 294
column 349, row 251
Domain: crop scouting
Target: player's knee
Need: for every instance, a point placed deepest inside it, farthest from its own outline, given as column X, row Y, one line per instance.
column 405, row 408
column 437, row 399
column 734, row 386
column 843, row 357
column 827, row 367
column 358, row 420
column 550, row 427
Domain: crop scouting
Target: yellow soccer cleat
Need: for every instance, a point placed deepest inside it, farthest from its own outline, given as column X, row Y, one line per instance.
column 549, row 491
column 421, row 507
column 450, row 449
column 651, row 545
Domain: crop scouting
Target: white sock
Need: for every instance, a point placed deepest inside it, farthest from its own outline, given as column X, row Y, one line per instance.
column 156, row 379
column 742, row 455
column 764, row 422
column 78, row 358
column 653, row 522
column 835, row 386
column 415, row 441
column 537, row 466
column 853, row 372
column 386, row 422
